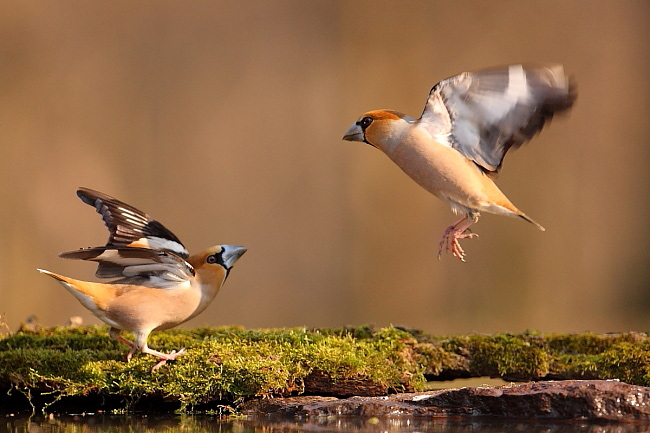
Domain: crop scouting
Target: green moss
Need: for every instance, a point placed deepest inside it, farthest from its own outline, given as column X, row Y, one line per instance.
column 535, row 356
column 587, row 343
column 220, row 364
column 504, row 355
column 227, row 364
column 629, row 362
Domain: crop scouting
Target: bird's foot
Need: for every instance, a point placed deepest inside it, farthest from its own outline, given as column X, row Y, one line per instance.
column 444, row 242
column 456, row 250
column 130, row 354
column 164, row 357
column 450, row 242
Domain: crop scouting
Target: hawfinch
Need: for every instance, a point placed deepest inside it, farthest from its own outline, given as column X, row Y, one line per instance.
column 456, row 147
column 157, row 285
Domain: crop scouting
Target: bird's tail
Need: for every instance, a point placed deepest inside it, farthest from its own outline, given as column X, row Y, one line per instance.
column 505, row 207
column 53, row 275
column 66, row 282
column 89, row 294
column 532, row 221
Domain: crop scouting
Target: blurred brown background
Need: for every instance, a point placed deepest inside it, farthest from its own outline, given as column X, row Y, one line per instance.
column 224, row 121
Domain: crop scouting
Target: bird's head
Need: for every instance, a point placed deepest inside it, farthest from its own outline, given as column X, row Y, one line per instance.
column 378, row 128
column 216, row 262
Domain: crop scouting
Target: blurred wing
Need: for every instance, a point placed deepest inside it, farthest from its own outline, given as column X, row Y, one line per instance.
column 131, row 227
column 483, row 114
column 153, row 268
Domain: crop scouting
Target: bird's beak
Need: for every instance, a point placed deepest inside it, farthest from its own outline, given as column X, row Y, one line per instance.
column 231, row 254
column 355, row 133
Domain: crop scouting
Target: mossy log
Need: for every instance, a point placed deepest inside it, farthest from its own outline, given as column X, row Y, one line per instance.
column 82, row 368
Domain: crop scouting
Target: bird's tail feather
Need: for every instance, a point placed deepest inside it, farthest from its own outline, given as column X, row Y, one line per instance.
column 52, row 274
column 91, row 295
column 66, row 282
column 532, row 221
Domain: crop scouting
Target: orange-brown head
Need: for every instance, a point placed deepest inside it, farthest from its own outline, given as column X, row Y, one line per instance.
column 213, row 265
column 379, row 128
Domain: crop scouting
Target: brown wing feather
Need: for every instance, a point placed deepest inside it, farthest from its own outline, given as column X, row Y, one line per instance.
column 484, row 114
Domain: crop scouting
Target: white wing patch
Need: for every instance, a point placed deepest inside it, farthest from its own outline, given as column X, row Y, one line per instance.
column 149, row 267
column 129, row 226
column 156, row 243
column 139, row 269
column 113, row 256
column 483, row 114
column 517, row 91
column 139, row 250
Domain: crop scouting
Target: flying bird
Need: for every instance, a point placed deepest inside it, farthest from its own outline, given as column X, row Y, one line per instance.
column 157, row 284
column 470, row 121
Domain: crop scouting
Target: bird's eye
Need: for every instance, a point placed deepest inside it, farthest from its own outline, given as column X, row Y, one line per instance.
column 212, row 259
column 365, row 122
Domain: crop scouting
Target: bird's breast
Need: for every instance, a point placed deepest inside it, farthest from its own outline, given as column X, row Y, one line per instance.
column 151, row 308
column 439, row 169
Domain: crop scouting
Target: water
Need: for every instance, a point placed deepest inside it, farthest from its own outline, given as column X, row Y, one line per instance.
column 210, row 424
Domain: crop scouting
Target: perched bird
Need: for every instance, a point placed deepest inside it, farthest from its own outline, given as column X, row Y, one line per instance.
column 470, row 121
column 158, row 284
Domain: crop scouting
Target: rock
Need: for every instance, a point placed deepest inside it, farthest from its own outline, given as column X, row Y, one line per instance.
column 321, row 383
column 571, row 399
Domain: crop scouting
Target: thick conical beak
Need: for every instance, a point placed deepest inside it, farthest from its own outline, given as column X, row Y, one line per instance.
column 231, row 254
column 355, row 133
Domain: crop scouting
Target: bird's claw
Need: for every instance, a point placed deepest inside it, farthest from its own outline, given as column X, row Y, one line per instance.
column 164, row 357
column 130, row 354
column 450, row 242
column 158, row 365
column 174, row 354
column 456, row 250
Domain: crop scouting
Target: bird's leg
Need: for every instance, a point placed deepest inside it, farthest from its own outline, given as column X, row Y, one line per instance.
column 114, row 333
column 141, row 341
column 456, row 231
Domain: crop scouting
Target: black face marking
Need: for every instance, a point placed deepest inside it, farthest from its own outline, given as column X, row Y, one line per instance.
column 215, row 259
column 364, row 123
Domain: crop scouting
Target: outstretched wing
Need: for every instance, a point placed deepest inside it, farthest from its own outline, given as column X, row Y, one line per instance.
column 483, row 114
column 154, row 268
column 131, row 227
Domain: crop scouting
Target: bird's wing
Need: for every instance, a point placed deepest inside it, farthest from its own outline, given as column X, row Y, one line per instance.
column 131, row 227
column 153, row 268
column 483, row 114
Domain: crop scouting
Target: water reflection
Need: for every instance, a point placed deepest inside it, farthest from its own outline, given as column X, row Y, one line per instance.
column 185, row 424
